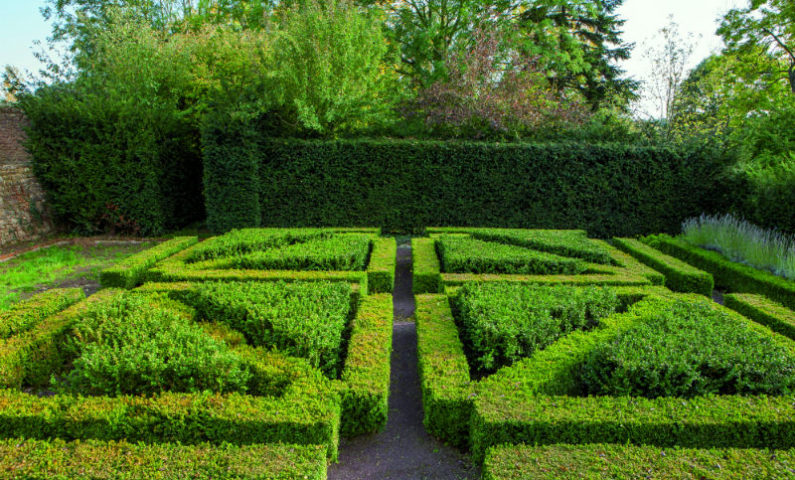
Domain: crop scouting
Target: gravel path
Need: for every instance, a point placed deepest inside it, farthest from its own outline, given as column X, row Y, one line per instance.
column 403, row 450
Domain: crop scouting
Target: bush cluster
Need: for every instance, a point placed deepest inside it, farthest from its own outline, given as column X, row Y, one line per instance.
column 339, row 252
column 687, row 350
column 460, row 254
column 142, row 345
column 249, row 240
column 305, row 319
column 568, row 243
column 502, row 323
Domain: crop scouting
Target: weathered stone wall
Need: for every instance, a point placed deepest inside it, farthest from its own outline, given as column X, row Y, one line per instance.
column 23, row 213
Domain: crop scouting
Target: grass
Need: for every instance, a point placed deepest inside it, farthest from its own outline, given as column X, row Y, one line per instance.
column 743, row 242
column 57, row 265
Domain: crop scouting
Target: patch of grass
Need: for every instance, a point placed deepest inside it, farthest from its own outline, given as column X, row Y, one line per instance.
column 55, row 265
column 743, row 242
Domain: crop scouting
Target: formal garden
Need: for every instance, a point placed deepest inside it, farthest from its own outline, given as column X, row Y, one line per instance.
column 400, row 240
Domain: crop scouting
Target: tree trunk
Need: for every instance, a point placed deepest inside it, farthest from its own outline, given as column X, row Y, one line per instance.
column 792, row 76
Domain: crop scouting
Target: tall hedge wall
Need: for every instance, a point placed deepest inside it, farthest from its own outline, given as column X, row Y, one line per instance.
column 406, row 185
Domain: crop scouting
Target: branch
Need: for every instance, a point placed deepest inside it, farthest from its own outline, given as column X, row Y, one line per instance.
column 781, row 44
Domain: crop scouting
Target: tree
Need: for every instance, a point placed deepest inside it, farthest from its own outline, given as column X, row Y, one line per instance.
column 580, row 43
column 766, row 25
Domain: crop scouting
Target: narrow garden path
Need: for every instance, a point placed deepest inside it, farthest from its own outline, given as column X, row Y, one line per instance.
column 403, row 450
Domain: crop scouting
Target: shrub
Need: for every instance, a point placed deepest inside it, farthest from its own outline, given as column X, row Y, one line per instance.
column 568, row 243
column 381, row 269
column 689, row 350
column 26, row 314
column 762, row 310
column 425, row 268
column 405, row 185
column 502, row 323
column 137, row 345
column 679, row 276
column 340, row 252
column 241, row 242
column 522, row 462
column 727, row 274
column 468, row 255
column 306, row 319
column 743, row 242
column 63, row 460
column 131, row 271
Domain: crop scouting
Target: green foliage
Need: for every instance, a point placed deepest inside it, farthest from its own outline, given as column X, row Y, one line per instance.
column 679, row 276
column 690, row 350
column 138, row 345
column 26, row 314
column 762, row 310
column 381, row 269
column 729, row 275
column 568, row 243
column 444, row 372
column 771, row 186
column 501, row 323
column 63, row 460
column 606, row 189
column 425, row 268
column 524, row 462
column 131, row 271
column 469, row 255
column 245, row 241
column 340, row 47
column 339, row 252
column 31, row 357
column 365, row 398
column 305, row 319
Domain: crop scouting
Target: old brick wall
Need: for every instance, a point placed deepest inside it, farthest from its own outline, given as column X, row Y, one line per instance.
column 23, row 213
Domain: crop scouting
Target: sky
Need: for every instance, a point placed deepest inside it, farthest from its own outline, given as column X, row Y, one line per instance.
column 21, row 24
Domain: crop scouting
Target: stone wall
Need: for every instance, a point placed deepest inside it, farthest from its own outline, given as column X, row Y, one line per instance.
column 23, row 213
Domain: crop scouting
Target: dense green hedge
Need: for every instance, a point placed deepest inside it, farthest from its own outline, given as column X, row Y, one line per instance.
column 105, row 169
column 763, row 310
column 26, row 314
column 408, row 185
column 735, row 277
column 57, row 459
column 679, row 276
column 425, row 267
column 522, row 462
column 131, row 271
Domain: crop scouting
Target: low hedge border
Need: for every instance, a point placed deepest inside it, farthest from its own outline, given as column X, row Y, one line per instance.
column 763, row 310
column 447, row 389
column 26, row 458
column 534, row 239
column 629, row 265
column 32, row 356
column 522, row 462
column 366, row 374
column 28, row 313
column 679, row 276
column 426, row 269
column 307, row 414
column 444, row 371
column 131, row 271
column 531, row 402
column 735, row 277
column 381, row 268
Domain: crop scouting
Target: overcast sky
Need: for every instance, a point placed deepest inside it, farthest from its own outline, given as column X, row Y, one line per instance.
column 21, row 24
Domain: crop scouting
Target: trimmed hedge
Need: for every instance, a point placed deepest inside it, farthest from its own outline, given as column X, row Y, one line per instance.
column 405, row 185
column 679, row 276
column 459, row 254
column 381, row 269
column 568, row 243
column 131, row 271
column 522, row 462
column 365, row 394
column 26, row 314
column 31, row 357
column 763, row 310
column 426, row 270
column 536, row 401
column 444, row 371
column 735, row 277
column 308, row 414
column 57, row 459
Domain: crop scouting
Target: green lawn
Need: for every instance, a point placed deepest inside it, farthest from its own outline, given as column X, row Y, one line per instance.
column 58, row 266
